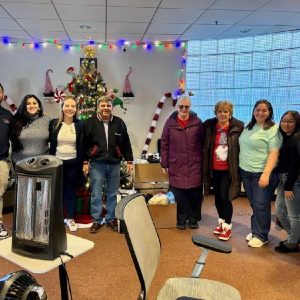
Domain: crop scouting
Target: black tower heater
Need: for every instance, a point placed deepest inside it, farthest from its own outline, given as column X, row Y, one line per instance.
column 38, row 224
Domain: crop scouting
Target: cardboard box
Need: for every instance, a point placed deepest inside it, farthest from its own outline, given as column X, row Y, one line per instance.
column 150, row 179
column 163, row 216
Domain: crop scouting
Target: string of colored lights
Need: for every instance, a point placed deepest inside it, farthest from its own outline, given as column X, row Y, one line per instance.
column 120, row 44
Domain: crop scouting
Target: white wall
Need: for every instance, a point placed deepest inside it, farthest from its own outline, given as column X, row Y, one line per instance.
column 154, row 73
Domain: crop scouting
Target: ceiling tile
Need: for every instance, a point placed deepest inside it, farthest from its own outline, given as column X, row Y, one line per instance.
column 81, row 12
column 125, row 14
column 294, row 21
column 238, row 4
column 85, row 37
column 207, row 29
column 158, row 28
column 6, row 23
column 133, row 3
column 176, row 15
column 31, row 10
column 26, row 1
column 195, row 4
column 242, row 31
column 282, row 5
column 14, row 34
column 3, row 13
column 122, row 27
column 278, row 28
column 47, row 35
column 222, row 16
column 79, row 2
column 50, row 25
column 126, row 36
column 161, row 37
column 265, row 18
column 74, row 26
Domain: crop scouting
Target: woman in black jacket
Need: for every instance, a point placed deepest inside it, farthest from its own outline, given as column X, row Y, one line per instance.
column 221, row 163
column 66, row 135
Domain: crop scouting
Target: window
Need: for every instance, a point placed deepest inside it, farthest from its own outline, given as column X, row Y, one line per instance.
column 244, row 70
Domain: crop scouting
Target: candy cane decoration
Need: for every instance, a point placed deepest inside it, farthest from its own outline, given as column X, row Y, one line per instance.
column 59, row 96
column 11, row 104
column 154, row 121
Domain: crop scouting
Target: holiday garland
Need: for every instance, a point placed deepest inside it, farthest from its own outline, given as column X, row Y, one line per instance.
column 154, row 121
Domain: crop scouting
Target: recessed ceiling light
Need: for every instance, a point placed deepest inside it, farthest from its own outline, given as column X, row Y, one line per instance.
column 85, row 27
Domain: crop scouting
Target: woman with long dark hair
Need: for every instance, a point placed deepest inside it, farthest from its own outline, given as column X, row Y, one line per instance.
column 30, row 129
column 288, row 191
column 66, row 135
column 259, row 149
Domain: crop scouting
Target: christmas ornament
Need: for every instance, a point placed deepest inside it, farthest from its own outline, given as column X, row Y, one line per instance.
column 59, row 96
column 48, row 85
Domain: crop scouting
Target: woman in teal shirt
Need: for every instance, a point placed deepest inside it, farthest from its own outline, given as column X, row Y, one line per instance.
column 259, row 148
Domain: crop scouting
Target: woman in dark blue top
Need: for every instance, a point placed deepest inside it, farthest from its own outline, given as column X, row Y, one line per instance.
column 288, row 191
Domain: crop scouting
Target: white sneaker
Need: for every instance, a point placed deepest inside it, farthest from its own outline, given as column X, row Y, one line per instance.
column 72, row 225
column 3, row 232
column 256, row 242
column 248, row 237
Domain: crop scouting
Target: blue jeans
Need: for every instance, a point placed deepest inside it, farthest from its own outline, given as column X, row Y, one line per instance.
column 293, row 209
column 260, row 201
column 280, row 206
column 104, row 172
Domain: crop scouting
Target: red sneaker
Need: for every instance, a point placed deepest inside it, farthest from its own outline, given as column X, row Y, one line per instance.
column 218, row 229
column 225, row 235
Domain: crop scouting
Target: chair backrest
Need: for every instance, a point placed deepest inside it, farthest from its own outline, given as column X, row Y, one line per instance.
column 142, row 238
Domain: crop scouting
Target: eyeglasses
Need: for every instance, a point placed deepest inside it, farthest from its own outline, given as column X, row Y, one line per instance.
column 287, row 122
column 183, row 106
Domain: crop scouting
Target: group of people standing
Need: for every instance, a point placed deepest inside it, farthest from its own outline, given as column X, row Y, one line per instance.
column 95, row 146
column 221, row 153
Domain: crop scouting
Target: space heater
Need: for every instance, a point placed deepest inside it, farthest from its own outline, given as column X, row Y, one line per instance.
column 38, row 224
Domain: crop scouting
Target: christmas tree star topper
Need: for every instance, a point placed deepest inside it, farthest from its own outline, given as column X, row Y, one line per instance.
column 89, row 52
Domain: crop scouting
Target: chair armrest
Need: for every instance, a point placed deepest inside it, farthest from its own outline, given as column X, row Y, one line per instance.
column 211, row 244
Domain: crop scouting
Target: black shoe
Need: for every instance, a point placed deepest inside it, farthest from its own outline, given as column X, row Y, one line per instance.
column 282, row 248
column 193, row 225
column 95, row 227
column 181, row 226
column 113, row 225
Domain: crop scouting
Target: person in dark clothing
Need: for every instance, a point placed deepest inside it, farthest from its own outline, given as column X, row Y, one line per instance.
column 5, row 129
column 287, row 203
column 106, row 141
column 221, row 163
column 181, row 156
column 66, row 134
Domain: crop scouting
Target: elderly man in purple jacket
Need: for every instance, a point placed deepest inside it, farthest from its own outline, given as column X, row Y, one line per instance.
column 181, row 156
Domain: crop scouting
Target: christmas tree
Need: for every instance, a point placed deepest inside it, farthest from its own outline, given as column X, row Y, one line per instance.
column 88, row 85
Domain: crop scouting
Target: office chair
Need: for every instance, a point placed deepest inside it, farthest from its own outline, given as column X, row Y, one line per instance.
column 144, row 246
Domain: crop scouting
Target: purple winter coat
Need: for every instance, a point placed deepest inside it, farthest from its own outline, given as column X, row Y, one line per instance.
column 181, row 151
